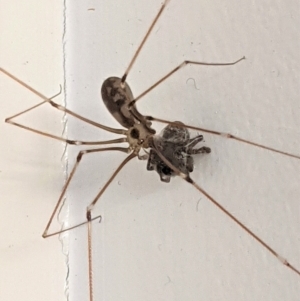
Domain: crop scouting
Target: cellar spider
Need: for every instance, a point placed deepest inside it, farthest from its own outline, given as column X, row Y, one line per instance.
column 257, row 153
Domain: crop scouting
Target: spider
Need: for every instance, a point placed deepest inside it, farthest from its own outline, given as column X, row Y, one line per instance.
column 170, row 154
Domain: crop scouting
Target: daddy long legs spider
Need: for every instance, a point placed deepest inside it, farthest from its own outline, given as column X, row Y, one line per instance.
column 165, row 196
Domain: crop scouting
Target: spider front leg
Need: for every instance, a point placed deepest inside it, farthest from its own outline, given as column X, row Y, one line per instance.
column 193, row 142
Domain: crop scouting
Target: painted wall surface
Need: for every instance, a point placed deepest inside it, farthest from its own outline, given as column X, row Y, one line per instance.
column 156, row 241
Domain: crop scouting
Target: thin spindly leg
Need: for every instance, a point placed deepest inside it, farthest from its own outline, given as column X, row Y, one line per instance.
column 57, row 106
column 188, row 179
column 90, row 219
column 58, row 204
column 183, row 64
column 143, row 41
column 226, row 135
column 68, row 141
